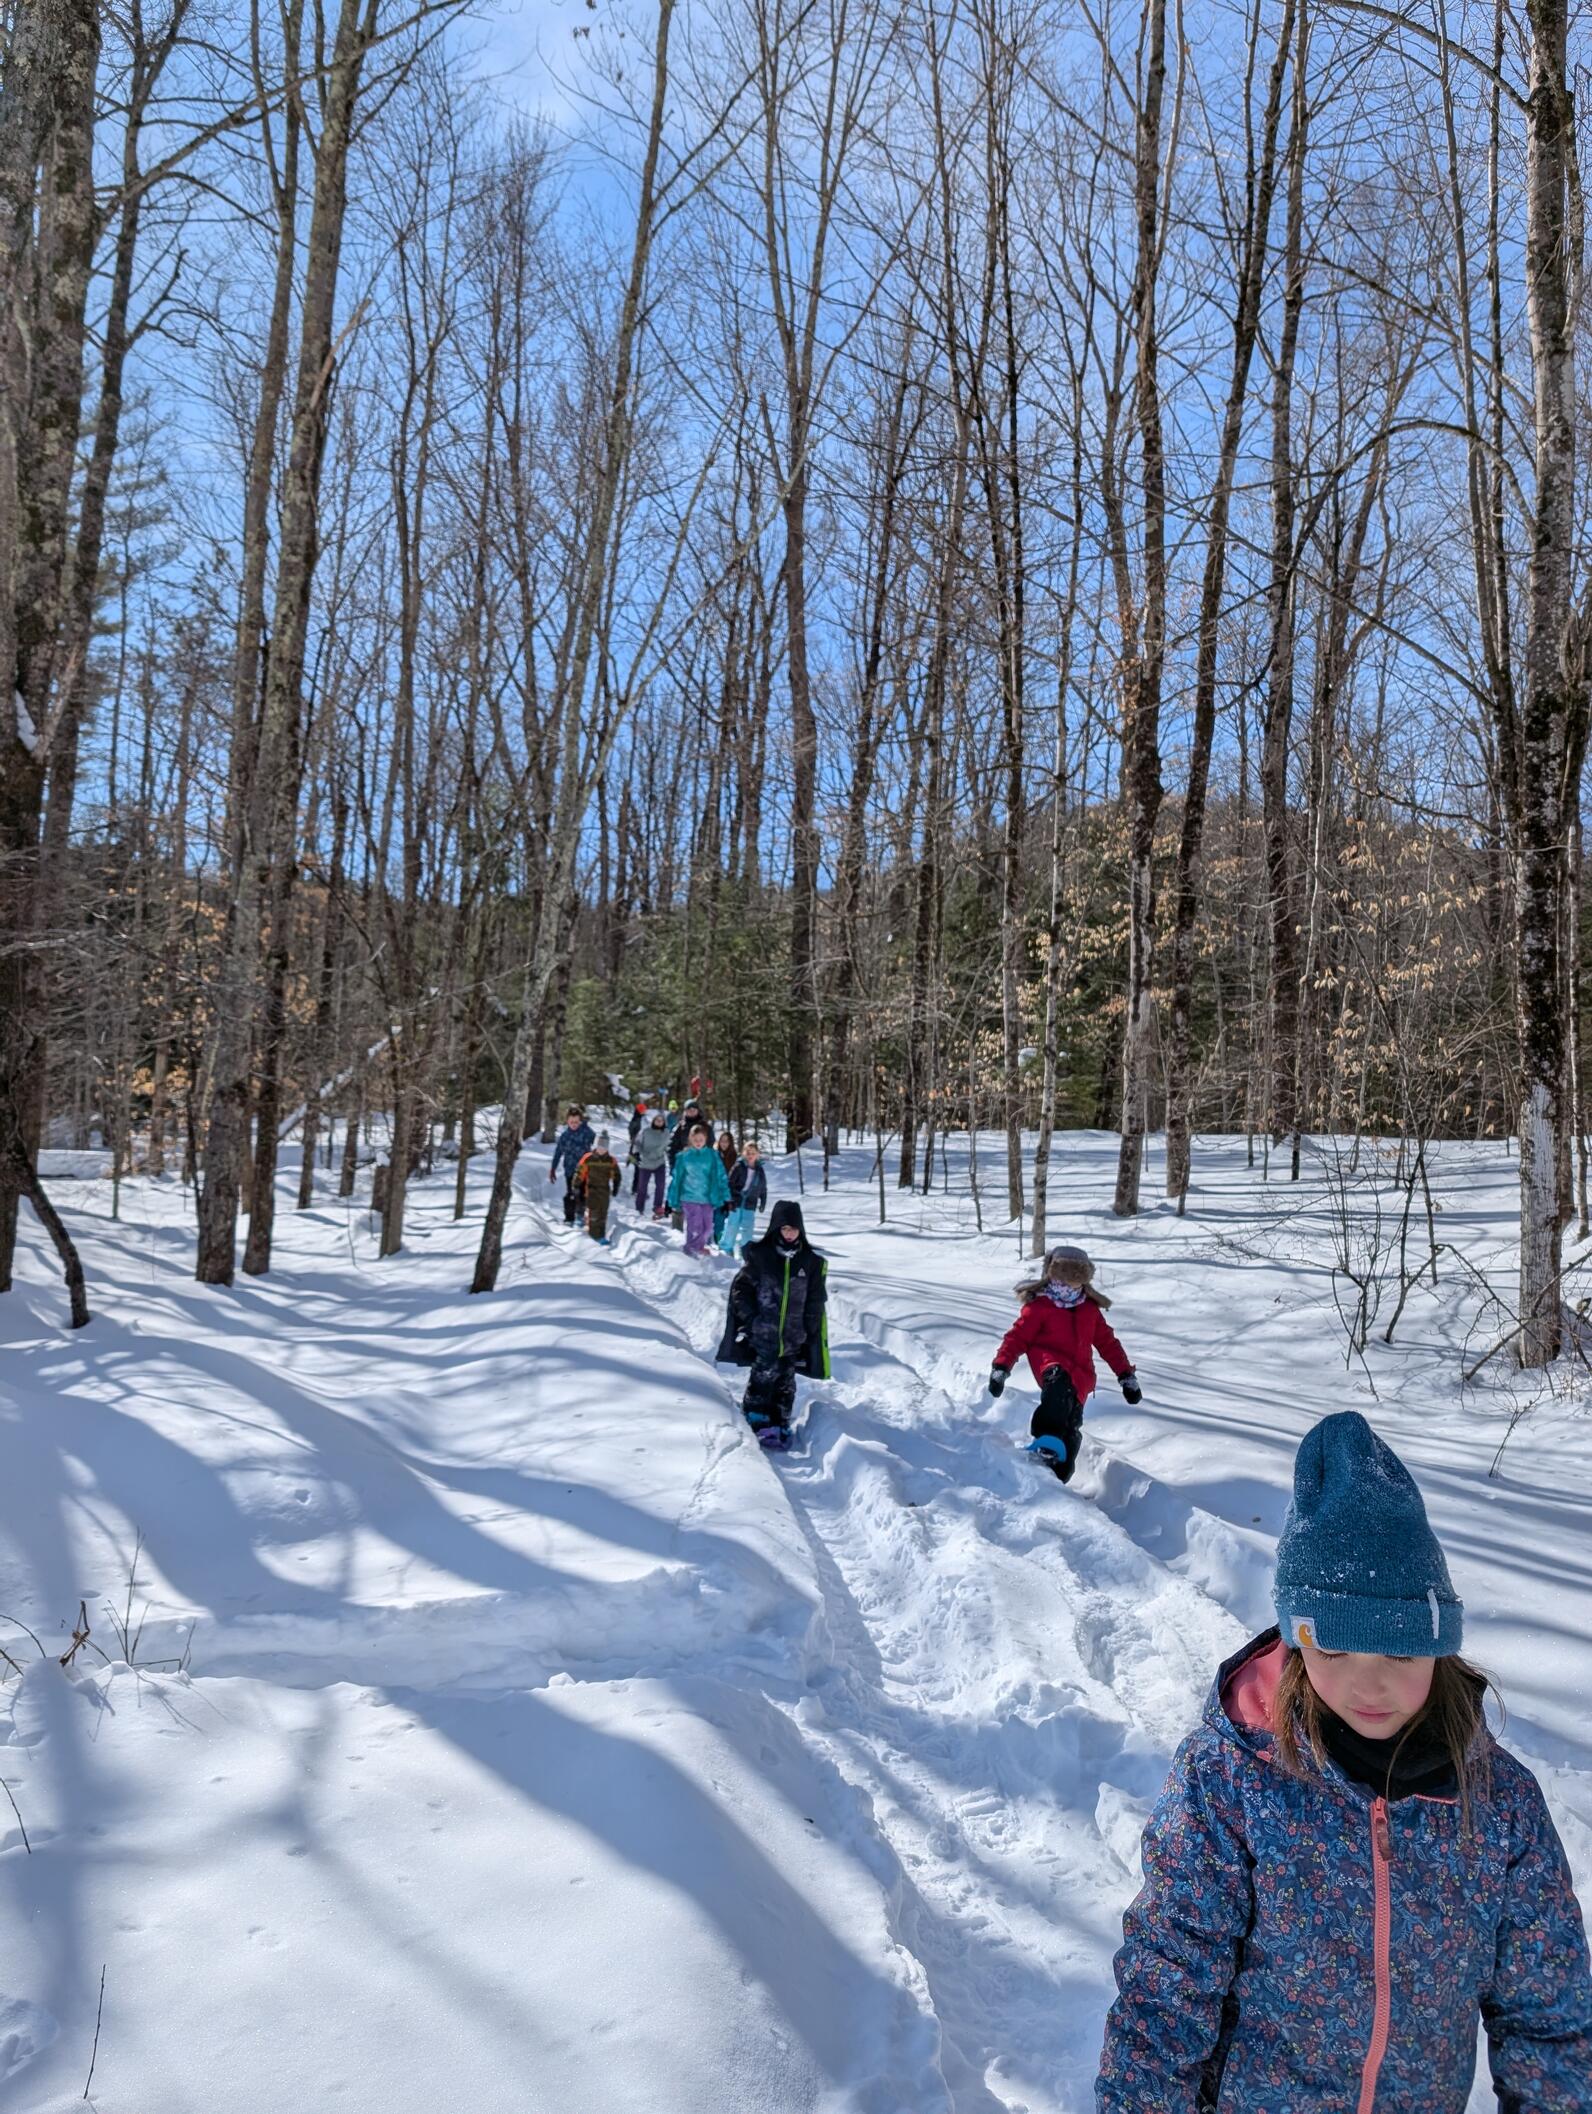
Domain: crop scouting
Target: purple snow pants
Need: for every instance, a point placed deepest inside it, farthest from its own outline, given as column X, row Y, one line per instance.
column 698, row 1228
column 644, row 1182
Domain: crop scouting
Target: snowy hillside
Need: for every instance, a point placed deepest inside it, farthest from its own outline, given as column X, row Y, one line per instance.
column 504, row 1731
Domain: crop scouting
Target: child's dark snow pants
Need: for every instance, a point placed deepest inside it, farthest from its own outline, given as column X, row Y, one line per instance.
column 645, row 1182
column 771, row 1389
column 1059, row 1415
column 574, row 1201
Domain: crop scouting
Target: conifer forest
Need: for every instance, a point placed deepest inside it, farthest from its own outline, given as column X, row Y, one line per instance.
column 946, row 564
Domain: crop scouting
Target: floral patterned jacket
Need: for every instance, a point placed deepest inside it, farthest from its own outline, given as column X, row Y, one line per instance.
column 1303, row 1947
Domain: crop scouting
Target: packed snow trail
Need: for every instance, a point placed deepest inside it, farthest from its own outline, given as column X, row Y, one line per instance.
column 505, row 1729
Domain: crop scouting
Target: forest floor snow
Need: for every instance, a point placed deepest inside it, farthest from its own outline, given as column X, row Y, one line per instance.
column 489, row 1723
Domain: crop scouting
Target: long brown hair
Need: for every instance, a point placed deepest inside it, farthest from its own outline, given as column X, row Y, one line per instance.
column 1453, row 1711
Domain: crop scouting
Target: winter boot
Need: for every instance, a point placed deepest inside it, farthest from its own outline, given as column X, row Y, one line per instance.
column 1052, row 1454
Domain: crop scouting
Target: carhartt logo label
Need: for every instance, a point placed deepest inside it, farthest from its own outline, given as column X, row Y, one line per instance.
column 1303, row 1633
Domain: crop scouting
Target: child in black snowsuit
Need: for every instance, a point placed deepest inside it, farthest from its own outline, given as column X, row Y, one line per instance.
column 778, row 1323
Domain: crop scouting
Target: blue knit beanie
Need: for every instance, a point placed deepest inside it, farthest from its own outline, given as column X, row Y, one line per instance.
column 1358, row 1568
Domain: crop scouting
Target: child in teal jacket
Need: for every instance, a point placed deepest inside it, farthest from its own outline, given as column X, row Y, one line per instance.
column 698, row 1186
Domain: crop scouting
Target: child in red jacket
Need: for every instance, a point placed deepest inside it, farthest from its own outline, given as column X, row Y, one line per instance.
column 1062, row 1325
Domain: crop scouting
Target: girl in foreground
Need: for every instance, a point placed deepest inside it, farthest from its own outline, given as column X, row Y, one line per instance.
column 1345, row 1871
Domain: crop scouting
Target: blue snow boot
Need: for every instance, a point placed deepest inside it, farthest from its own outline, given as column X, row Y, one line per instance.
column 1051, row 1453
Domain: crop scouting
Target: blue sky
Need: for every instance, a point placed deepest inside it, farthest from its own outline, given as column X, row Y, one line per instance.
column 528, row 50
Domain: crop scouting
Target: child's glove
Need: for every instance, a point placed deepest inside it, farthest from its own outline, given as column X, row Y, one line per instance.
column 1132, row 1393
column 997, row 1379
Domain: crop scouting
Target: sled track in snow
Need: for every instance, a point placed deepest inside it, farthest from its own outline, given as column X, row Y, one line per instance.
column 1001, row 1672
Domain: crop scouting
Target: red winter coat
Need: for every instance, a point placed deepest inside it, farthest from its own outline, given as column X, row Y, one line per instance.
column 1064, row 1336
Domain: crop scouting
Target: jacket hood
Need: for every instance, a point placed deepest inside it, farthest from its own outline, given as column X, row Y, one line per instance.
column 786, row 1213
column 1239, row 1706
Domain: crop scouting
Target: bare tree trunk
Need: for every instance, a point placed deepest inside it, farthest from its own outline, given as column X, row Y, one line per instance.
column 349, row 1169
column 577, row 774
column 321, row 1050
column 835, row 75
column 1575, row 1204
column 1053, row 968
column 848, row 872
column 1549, row 745
column 115, row 341
column 1276, row 735
column 1055, row 953
column 268, row 802
column 1145, row 637
column 1251, row 271
column 1004, row 492
column 46, row 111
column 963, row 365
column 804, row 823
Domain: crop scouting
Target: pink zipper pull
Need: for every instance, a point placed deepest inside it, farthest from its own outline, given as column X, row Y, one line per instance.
column 1381, row 1830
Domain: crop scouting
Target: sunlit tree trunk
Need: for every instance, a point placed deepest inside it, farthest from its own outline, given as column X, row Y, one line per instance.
column 1145, row 628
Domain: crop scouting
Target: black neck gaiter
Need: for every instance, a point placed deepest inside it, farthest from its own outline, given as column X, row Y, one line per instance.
column 1412, row 1764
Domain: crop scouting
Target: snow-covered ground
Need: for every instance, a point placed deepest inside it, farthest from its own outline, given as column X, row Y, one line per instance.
column 497, row 1728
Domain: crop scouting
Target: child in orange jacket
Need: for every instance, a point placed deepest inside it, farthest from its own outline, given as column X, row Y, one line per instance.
column 597, row 1177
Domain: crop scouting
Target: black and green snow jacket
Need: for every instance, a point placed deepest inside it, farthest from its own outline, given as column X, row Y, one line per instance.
column 779, row 1301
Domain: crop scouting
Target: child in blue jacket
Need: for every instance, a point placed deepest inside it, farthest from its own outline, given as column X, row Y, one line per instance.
column 1345, row 1871
column 575, row 1140
column 748, row 1195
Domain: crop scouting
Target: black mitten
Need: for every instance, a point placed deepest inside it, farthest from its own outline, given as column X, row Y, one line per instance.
column 997, row 1379
column 1132, row 1393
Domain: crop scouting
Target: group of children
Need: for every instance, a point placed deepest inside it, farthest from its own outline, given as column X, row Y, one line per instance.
column 716, row 1190
column 778, row 1320
column 1345, row 1871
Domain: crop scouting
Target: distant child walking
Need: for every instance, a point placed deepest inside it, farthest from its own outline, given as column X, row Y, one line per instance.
column 598, row 1176
column 1062, row 1324
column 748, row 1195
column 1346, row 1873
column 698, row 1186
column 575, row 1140
column 681, row 1138
column 652, row 1166
column 728, row 1152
